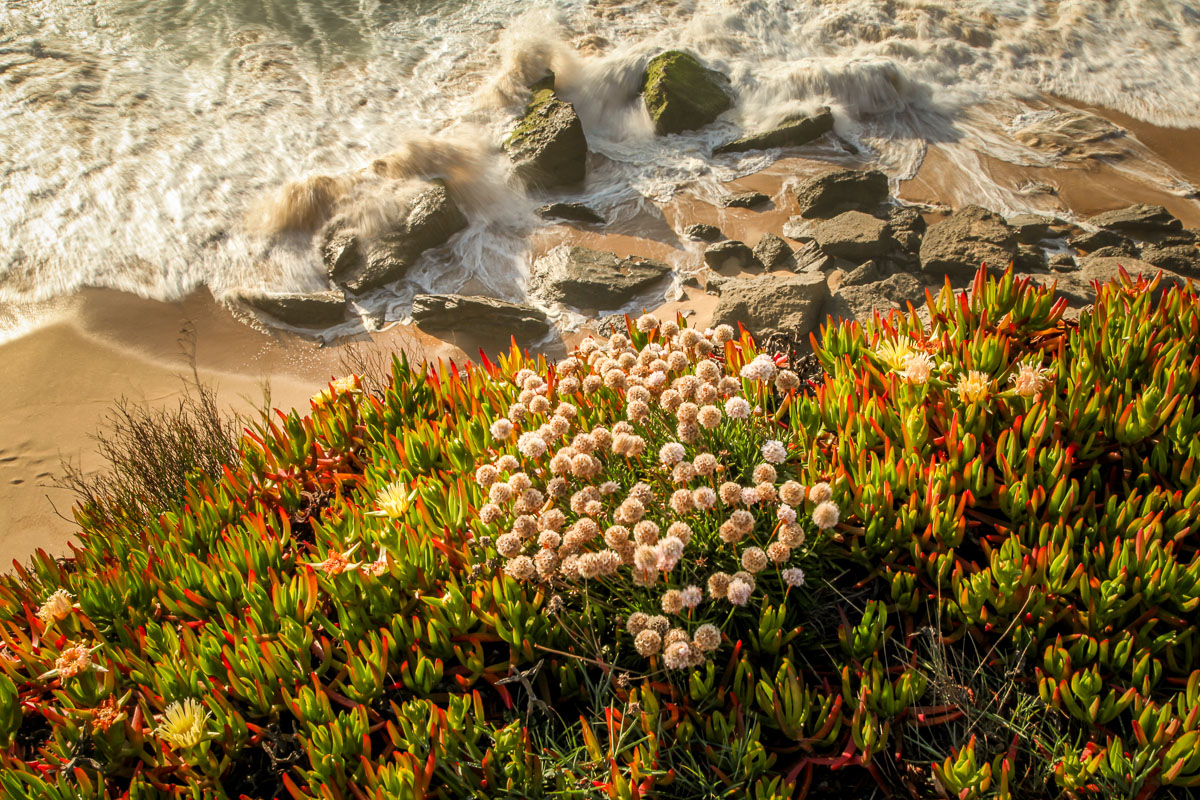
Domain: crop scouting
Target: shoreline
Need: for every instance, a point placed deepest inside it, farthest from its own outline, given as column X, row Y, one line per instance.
column 104, row 344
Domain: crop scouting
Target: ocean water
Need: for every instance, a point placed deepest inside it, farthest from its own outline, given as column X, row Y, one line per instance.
column 149, row 145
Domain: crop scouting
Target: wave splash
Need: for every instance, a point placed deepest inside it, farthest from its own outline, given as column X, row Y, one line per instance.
column 155, row 153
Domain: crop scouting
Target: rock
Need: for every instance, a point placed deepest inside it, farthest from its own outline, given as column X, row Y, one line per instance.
column 1137, row 218
column 479, row 315
column 1123, row 250
column 860, row 301
column 1030, row 258
column 863, row 274
column 793, row 133
column 1090, row 241
column 772, row 252
column 1062, row 262
column 703, row 233
column 1030, row 228
column 1077, row 286
column 304, row 310
column 594, row 279
column 1184, row 259
column 681, row 94
column 573, row 212
column 906, row 226
column 967, row 238
column 692, row 282
column 811, row 258
column 768, row 304
column 359, row 263
column 842, row 190
column 730, row 256
column 799, row 228
column 853, row 235
column 745, row 200
column 548, row 147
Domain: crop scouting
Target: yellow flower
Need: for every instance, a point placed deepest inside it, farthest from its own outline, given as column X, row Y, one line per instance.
column 57, row 607
column 183, row 724
column 895, row 353
column 393, row 500
column 973, row 387
column 344, row 385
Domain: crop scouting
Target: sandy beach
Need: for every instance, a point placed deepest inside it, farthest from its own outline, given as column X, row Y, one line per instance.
column 66, row 375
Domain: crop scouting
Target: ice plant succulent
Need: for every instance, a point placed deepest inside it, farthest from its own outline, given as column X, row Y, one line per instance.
column 918, row 599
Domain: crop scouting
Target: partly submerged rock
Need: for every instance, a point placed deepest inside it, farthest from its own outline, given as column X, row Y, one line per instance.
column 301, row 309
column 967, row 238
column 842, row 190
column 360, row 263
column 799, row 229
column 730, row 256
column 768, row 304
column 853, row 235
column 1072, row 135
column 1136, row 219
column 703, row 233
column 773, row 252
column 681, row 94
column 479, row 315
column 745, row 200
column 793, row 133
column 572, row 212
column 594, row 279
column 548, row 147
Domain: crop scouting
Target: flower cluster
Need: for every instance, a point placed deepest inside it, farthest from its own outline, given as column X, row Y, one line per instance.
column 615, row 469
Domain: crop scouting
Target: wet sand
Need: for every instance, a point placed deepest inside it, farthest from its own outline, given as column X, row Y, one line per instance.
column 64, row 377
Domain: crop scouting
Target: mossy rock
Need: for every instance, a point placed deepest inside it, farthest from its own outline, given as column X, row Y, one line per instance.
column 681, row 94
column 548, row 146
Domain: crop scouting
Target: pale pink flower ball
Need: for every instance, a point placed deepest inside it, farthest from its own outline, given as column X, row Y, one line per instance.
column 704, row 498
column 671, row 453
column 820, row 492
column 502, row 429
column 692, row 596
column 707, row 637
column 773, row 452
column 677, row 656
column 648, row 643
column 793, row 576
column 709, row 417
column 738, row 592
column 718, row 585
column 737, row 408
column 520, row 568
column 754, row 559
column 825, row 515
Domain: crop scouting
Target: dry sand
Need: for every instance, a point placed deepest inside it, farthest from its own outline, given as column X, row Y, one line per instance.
column 64, row 377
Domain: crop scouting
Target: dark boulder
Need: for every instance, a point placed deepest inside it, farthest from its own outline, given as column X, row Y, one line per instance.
column 906, row 226
column 768, row 304
column 1030, row 228
column 1091, row 241
column 703, row 233
column 730, row 256
column 967, row 238
column 745, row 200
column 773, row 252
column 479, row 315
column 853, row 235
column 571, row 212
column 1136, row 219
column 842, row 190
column 793, row 133
column 361, row 263
column 301, row 309
column 860, row 301
column 594, row 279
